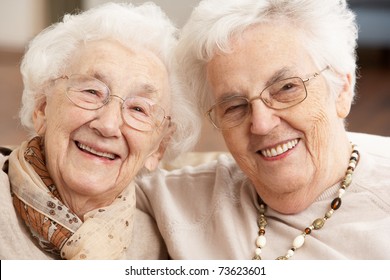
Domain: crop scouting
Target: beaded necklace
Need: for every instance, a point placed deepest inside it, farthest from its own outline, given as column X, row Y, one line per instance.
column 316, row 225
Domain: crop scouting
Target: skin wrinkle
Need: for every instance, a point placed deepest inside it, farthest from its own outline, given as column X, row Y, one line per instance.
column 144, row 87
column 290, row 183
column 145, row 90
column 103, row 129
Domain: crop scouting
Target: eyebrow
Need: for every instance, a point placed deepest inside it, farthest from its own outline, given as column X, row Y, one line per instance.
column 143, row 89
column 97, row 75
column 146, row 90
column 281, row 74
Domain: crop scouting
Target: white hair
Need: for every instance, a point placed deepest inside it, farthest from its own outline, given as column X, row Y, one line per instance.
column 146, row 26
column 328, row 29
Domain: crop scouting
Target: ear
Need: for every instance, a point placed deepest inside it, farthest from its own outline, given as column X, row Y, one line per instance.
column 39, row 117
column 344, row 98
column 153, row 160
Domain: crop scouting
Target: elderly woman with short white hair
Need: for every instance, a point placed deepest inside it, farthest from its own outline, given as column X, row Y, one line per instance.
column 277, row 79
column 102, row 103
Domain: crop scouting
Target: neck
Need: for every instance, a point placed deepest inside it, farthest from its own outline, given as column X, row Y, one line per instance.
column 80, row 205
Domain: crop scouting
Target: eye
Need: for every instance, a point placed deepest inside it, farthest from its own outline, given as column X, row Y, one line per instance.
column 91, row 91
column 287, row 90
column 232, row 107
column 93, row 94
column 287, row 86
column 140, row 108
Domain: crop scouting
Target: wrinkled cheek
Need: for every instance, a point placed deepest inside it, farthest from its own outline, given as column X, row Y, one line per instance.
column 233, row 143
column 318, row 137
column 127, row 172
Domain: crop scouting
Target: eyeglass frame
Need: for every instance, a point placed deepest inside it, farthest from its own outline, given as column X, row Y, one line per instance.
column 250, row 100
column 107, row 101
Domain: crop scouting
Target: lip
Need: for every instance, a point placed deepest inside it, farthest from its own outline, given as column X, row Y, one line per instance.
column 279, row 150
column 97, row 152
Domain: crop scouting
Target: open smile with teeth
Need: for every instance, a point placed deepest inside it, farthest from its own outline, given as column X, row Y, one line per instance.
column 279, row 149
column 94, row 152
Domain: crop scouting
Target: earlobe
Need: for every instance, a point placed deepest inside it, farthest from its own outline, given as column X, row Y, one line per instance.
column 344, row 98
column 39, row 118
column 152, row 162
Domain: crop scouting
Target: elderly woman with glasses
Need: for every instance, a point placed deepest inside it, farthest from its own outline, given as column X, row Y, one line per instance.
column 101, row 101
column 277, row 78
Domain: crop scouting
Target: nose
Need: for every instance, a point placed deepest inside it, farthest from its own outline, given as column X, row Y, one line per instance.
column 263, row 119
column 108, row 121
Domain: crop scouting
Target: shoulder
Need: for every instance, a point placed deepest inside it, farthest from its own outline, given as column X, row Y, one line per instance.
column 370, row 143
column 198, row 187
column 3, row 171
column 15, row 239
column 372, row 176
column 147, row 242
column 193, row 173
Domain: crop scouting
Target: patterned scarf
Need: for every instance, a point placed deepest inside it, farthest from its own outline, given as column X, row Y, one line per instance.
column 105, row 233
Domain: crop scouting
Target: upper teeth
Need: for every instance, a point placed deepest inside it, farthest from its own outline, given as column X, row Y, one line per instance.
column 92, row 151
column 279, row 149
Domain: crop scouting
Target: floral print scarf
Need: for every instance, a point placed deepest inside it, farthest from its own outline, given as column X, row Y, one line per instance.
column 105, row 233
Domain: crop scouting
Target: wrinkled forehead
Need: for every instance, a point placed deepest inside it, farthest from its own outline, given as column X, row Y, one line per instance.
column 132, row 70
column 265, row 46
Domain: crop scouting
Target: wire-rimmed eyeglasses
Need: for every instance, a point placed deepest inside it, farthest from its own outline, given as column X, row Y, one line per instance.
column 138, row 112
column 283, row 94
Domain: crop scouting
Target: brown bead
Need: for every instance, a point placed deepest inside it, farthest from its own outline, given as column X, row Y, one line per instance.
column 336, row 203
column 307, row 230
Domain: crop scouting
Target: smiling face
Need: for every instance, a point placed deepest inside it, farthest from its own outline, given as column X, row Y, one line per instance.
column 92, row 155
column 289, row 154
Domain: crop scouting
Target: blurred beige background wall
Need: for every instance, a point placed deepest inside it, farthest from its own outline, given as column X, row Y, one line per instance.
column 20, row 20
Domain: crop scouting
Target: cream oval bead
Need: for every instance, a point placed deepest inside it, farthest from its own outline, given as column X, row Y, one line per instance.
column 290, row 253
column 258, row 251
column 298, row 241
column 261, row 241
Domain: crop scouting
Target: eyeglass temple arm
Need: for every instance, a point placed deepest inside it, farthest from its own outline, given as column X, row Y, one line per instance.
column 316, row 74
